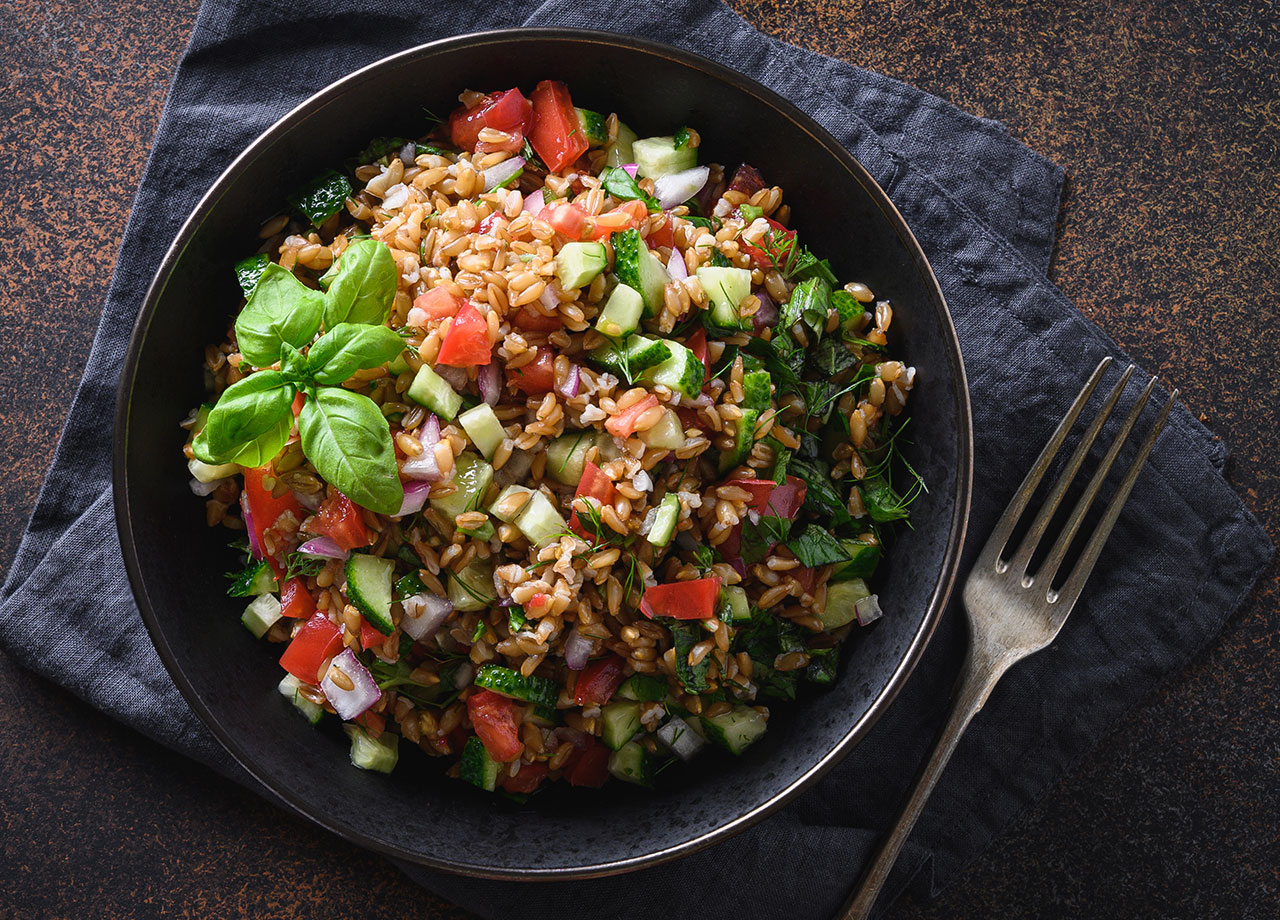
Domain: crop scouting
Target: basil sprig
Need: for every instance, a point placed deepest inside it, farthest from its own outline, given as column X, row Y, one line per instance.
column 344, row 434
column 620, row 184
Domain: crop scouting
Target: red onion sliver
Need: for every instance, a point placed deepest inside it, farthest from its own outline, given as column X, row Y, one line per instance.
column 456, row 377
column 550, row 299
column 533, row 204
column 676, row 269
column 631, row 169
column 255, row 548
column 323, row 547
column 767, row 315
column 496, row 175
column 429, row 433
column 465, row 674
column 415, row 495
column 868, row 609
column 349, row 704
column 423, row 468
column 309, row 500
column 577, row 649
column 569, row 388
column 678, row 188
column 490, row 379
column 423, row 614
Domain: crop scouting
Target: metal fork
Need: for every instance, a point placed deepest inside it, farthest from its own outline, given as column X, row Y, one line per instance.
column 1014, row 613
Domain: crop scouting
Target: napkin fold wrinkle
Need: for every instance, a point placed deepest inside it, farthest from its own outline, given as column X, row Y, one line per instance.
column 984, row 208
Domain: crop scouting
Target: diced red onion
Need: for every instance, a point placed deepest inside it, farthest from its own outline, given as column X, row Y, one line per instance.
column 325, row 548
column 550, row 300
column 349, row 704
column 577, row 649
column 206, row 488
column 423, row 468
column 464, row 675
column 868, row 609
column 456, row 377
column 767, row 315
column 569, row 388
column 496, row 175
column 578, row 739
column 676, row 269
column 415, row 495
column 490, row 380
column 429, row 433
column 255, row 548
column 678, row 188
column 506, row 601
column 630, row 169
column 533, row 204
column 738, row 566
column 423, row 614
column 309, row 500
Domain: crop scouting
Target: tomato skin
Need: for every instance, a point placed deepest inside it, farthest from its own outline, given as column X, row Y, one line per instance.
column 697, row 343
column 533, row 321
column 526, row 780
column 808, row 579
column 296, row 601
column 265, row 509
column 746, row 179
column 317, row 640
column 466, row 344
column 597, row 681
column 437, row 303
column 339, row 519
column 569, row 220
column 590, row 767
column 299, row 400
column 493, row 718
column 594, row 484
column 624, row 423
column 375, row 723
column 629, row 215
column 664, row 235
column 768, row 497
column 556, row 136
column 536, row 377
column 507, row 111
column 682, row 600
column 369, row 635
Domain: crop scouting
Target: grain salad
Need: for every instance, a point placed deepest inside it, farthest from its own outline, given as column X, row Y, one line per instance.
column 552, row 451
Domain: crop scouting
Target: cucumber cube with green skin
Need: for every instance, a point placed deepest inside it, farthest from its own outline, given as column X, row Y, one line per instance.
column 863, row 559
column 261, row 614
column 637, row 267
column 593, row 127
column 734, row 607
column 288, row 688
column 533, row 689
column 258, row 578
column 682, row 373
column 567, row 456
column 632, row 764
column 680, row 737
column 433, row 391
column 743, row 438
column 398, row 365
column 659, row 156
column 369, row 586
column 619, row 721
column 539, row 521
column 477, row 767
column 726, row 288
column 642, row 688
column 757, row 390
column 637, row 354
column 472, row 588
column 472, row 476
column 368, row 753
column 483, row 428
column 735, row 730
column 621, row 151
column 842, row 599
column 621, row 314
column 668, row 434
column 577, row 264
column 665, row 518
column 506, row 509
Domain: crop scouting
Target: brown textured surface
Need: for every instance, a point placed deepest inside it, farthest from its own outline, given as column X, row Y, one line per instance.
column 1167, row 122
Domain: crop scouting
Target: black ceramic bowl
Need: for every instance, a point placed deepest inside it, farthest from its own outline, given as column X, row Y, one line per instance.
column 176, row 563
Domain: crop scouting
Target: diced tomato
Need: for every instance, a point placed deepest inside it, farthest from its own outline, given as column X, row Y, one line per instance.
column 370, row 635
column 466, row 344
column 597, row 681
column 682, row 600
column 697, row 343
column 689, row 417
column 759, row 489
column 731, row 548
column 526, row 780
column 265, row 509
column 568, row 220
column 375, row 723
column 298, row 402
column 774, row 249
column 437, row 303
column 555, row 135
column 532, row 321
column 493, row 717
column 664, row 235
column 627, row 216
column 536, row 377
column 768, row 497
column 317, row 640
column 296, row 601
column 340, row 520
column 590, row 767
column 808, row 579
column 594, row 484
column 507, row 111
column 746, row 179
column 624, row 423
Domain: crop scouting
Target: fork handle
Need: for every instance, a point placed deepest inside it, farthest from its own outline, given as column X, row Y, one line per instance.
column 979, row 675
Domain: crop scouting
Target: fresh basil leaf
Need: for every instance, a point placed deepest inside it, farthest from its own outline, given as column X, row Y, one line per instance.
column 782, row 460
column 516, row 619
column 345, row 436
column 809, row 302
column 762, row 536
column 764, row 639
column 881, row 502
column 619, row 183
column 822, row 665
column 266, row 446
column 807, row 265
column 821, row 496
column 280, row 309
column 719, row 259
column 814, row 546
column 831, row 358
column 782, row 357
column 294, row 366
column 322, row 197
column 684, row 637
column 360, row 286
column 246, row 410
column 249, row 270
column 350, row 347
column 707, row 223
column 847, row 306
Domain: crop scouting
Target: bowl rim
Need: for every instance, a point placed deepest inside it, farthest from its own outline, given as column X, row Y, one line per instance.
column 938, row 598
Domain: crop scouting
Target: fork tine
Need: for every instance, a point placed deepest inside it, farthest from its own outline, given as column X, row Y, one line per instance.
column 995, row 544
column 1022, row 558
column 1060, row 547
column 1071, row 589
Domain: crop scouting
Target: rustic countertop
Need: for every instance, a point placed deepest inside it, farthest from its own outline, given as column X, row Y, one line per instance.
column 1168, row 124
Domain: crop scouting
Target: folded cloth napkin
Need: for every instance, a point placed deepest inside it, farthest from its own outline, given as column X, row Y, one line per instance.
column 983, row 207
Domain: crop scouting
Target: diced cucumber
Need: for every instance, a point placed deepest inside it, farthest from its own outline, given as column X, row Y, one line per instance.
column 257, row 578
column 592, row 126
column 863, row 559
column 399, row 364
column 642, row 688
column 622, row 150
column 433, row 391
column 532, row 689
column 743, row 438
column 369, row 586
column 261, row 614
column 504, row 508
column 369, row 753
column 842, row 598
column 734, row 607
column 472, row 477
column 659, row 156
column 637, row 354
column 210, row 472
column 578, row 263
column 288, row 688
column 664, row 522
column 668, row 434
column 567, row 456
column 484, row 532
column 735, row 730
column 631, row 764
column 682, row 373
column 483, row 428
column 726, row 288
column 477, row 767
column 757, row 390
column 680, row 738
column 619, row 722
column 638, row 268
column 472, row 588
column 621, row 314
column 539, row 521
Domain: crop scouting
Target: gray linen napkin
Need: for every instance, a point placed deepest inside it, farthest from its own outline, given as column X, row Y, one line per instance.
column 983, row 207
